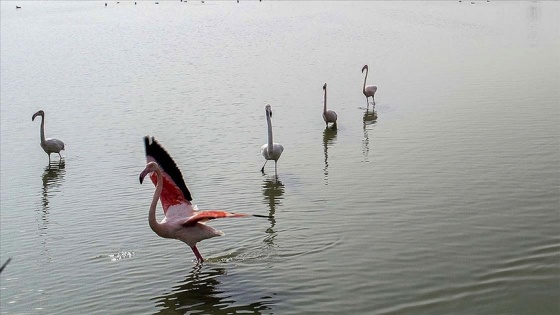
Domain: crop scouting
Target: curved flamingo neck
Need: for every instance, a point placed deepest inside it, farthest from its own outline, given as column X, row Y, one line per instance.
column 269, row 132
column 154, row 224
column 325, row 102
column 365, row 79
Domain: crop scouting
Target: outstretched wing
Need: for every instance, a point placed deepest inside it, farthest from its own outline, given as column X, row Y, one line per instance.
column 175, row 191
column 204, row 216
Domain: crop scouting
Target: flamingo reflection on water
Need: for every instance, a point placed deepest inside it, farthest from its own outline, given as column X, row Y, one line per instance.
column 181, row 220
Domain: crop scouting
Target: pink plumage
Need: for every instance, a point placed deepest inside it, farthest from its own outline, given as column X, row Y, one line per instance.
column 181, row 220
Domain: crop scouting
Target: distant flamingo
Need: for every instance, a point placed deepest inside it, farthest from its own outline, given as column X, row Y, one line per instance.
column 181, row 221
column 271, row 150
column 49, row 145
column 370, row 89
column 329, row 116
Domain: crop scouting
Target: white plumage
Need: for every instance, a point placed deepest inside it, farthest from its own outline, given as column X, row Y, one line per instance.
column 271, row 150
column 329, row 116
column 49, row 145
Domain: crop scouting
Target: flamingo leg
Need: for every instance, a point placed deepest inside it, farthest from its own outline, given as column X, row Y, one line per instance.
column 197, row 254
column 49, row 158
column 59, row 156
column 262, row 169
column 275, row 169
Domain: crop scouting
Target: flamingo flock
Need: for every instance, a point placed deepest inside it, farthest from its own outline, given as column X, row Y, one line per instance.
column 181, row 219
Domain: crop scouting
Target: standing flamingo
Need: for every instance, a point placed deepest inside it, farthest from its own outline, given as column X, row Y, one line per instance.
column 49, row 145
column 271, row 150
column 329, row 116
column 181, row 221
column 370, row 89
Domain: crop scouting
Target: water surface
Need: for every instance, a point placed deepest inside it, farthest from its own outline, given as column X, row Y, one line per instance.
column 442, row 200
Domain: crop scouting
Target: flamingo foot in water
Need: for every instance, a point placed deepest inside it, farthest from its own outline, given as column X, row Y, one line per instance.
column 197, row 254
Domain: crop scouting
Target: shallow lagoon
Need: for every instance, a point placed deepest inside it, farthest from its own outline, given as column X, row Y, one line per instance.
column 445, row 200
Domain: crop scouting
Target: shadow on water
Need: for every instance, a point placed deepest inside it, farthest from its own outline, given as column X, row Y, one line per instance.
column 273, row 193
column 369, row 120
column 204, row 291
column 329, row 139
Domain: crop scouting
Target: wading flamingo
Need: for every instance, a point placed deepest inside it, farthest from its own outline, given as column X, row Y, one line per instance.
column 271, row 150
column 49, row 145
column 329, row 116
column 370, row 89
column 181, row 221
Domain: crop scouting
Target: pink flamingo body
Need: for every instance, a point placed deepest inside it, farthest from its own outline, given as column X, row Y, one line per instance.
column 368, row 90
column 181, row 220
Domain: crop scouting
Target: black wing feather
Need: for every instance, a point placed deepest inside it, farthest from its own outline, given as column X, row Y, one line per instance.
column 166, row 163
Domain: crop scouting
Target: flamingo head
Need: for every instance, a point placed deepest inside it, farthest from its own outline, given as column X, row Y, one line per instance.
column 325, row 86
column 365, row 68
column 150, row 167
column 268, row 110
column 39, row 113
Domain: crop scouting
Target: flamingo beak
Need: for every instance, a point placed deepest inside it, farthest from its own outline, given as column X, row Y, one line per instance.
column 33, row 118
column 142, row 175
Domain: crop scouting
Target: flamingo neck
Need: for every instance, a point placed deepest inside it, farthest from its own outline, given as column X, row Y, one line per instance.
column 43, row 141
column 269, row 132
column 154, row 224
column 365, row 79
column 325, row 102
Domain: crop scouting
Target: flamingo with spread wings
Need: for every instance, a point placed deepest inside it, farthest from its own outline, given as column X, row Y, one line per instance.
column 181, row 221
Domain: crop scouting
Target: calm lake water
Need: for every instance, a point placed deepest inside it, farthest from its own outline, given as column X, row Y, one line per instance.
column 445, row 200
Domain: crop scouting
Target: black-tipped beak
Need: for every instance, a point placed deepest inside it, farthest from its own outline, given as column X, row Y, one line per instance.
column 141, row 179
